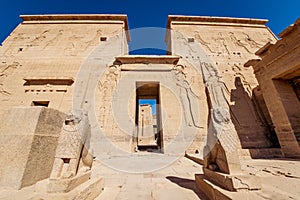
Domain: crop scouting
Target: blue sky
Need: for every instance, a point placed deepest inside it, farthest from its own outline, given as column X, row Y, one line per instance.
column 153, row 13
column 151, row 102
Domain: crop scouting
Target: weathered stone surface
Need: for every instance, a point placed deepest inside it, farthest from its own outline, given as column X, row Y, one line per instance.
column 88, row 189
column 227, row 48
column 232, row 182
column 204, row 96
column 29, row 137
column 278, row 75
column 66, row 185
column 73, row 157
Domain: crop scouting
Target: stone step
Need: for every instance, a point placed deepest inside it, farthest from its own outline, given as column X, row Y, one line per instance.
column 214, row 192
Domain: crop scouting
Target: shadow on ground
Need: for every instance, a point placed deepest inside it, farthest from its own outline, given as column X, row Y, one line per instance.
column 187, row 184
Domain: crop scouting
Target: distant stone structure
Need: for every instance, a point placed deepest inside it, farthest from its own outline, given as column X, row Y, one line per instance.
column 209, row 104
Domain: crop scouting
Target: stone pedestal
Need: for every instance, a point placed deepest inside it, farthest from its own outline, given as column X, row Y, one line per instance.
column 66, row 185
column 216, row 185
column 74, row 189
column 233, row 182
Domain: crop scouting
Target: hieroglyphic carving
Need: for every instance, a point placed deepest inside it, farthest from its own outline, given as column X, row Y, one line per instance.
column 106, row 87
column 188, row 98
column 72, row 153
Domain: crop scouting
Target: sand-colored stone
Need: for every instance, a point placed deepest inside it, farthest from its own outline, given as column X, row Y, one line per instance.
column 278, row 75
column 145, row 135
column 29, row 137
column 210, row 107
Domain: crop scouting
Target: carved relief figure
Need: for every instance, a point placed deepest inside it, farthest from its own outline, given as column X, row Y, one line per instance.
column 94, row 41
column 55, row 40
column 221, row 44
column 251, row 42
column 237, row 42
column 77, row 43
column 72, row 48
column 245, row 41
column 222, row 139
column 40, row 38
column 188, row 97
column 106, row 87
column 72, row 153
column 204, row 43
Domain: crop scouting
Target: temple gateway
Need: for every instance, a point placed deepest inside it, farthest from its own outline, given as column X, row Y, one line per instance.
column 217, row 117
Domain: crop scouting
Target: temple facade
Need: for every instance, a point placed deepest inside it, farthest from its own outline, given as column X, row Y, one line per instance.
column 224, row 81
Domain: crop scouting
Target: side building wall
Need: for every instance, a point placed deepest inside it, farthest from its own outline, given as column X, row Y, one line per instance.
column 278, row 74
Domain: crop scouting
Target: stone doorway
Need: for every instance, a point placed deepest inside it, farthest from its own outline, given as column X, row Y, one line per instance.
column 148, row 117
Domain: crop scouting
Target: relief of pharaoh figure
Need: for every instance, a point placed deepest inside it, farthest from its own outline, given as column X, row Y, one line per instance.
column 72, row 153
column 222, row 138
column 188, row 98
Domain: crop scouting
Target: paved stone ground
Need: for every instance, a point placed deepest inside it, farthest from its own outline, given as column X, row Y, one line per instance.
column 280, row 179
column 173, row 182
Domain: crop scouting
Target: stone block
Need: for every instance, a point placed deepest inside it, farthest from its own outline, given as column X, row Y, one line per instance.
column 66, row 185
column 28, row 140
column 88, row 190
column 214, row 192
column 233, row 182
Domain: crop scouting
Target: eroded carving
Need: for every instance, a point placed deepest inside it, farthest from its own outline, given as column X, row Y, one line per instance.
column 222, row 142
column 5, row 71
column 40, row 38
column 72, row 49
column 94, row 40
column 106, row 88
column 238, row 42
column 251, row 42
column 188, row 98
column 54, row 40
column 221, row 44
column 72, row 154
column 80, row 45
column 203, row 42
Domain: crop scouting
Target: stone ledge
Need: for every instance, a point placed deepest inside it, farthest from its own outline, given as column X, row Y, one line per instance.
column 66, row 185
column 215, row 20
column 232, row 182
column 214, row 192
column 88, row 191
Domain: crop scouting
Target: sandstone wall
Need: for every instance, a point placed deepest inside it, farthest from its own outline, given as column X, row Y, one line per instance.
column 227, row 43
column 42, row 56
